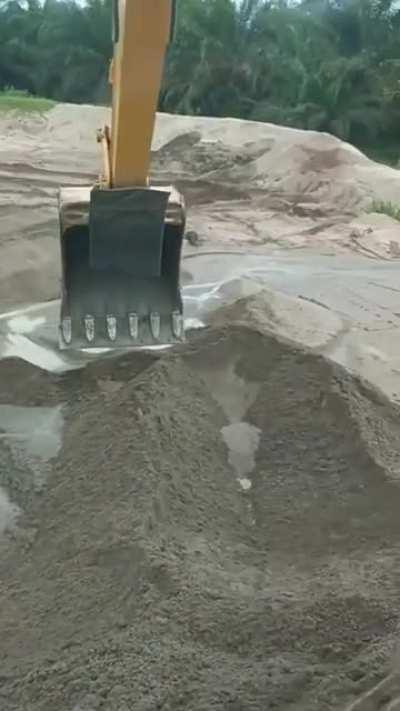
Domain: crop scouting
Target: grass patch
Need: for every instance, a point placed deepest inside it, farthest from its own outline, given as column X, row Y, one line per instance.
column 14, row 100
column 386, row 208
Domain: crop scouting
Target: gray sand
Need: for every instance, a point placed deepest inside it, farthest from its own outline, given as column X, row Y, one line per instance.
column 143, row 576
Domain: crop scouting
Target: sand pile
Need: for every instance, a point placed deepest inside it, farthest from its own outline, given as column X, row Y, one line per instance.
column 247, row 184
column 218, row 531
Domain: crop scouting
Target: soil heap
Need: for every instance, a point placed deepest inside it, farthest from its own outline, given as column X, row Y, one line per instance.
column 219, row 531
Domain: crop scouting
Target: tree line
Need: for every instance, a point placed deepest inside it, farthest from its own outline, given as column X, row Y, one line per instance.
column 329, row 65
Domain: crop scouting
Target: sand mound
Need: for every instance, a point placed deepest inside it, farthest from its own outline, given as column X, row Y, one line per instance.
column 219, row 530
column 246, row 183
column 270, row 311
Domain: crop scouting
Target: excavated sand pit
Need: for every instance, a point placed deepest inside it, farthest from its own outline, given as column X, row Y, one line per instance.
column 159, row 568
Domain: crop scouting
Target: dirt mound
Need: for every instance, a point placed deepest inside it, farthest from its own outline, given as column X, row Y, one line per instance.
column 271, row 311
column 218, row 531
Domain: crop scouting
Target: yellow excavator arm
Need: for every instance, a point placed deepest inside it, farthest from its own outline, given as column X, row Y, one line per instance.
column 121, row 239
column 142, row 31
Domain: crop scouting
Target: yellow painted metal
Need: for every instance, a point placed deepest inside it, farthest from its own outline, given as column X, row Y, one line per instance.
column 136, row 74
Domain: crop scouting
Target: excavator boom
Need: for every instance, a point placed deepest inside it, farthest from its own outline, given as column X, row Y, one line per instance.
column 121, row 239
column 142, row 30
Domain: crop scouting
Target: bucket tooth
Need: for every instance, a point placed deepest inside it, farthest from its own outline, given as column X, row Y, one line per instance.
column 155, row 324
column 66, row 329
column 133, row 325
column 111, row 322
column 177, row 324
column 90, row 329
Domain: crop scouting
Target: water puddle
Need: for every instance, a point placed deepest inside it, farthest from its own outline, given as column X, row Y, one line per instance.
column 23, row 323
column 235, row 396
column 242, row 440
column 34, row 435
column 38, row 428
column 19, row 346
column 9, row 513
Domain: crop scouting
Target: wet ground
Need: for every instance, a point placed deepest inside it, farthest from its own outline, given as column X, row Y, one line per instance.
column 358, row 297
column 350, row 312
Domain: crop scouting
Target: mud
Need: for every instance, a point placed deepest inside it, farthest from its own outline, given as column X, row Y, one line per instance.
column 144, row 575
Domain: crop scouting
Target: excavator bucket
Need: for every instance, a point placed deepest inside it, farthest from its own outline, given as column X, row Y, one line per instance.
column 121, row 252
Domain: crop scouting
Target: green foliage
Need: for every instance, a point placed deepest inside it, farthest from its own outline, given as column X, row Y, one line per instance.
column 21, row 101
column 58, row 49
column 325, row 65
column 386, row 208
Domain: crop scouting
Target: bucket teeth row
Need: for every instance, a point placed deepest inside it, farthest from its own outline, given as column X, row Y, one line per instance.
column 112, row 322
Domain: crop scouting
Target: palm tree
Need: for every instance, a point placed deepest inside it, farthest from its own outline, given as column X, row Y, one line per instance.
column 212, row 66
